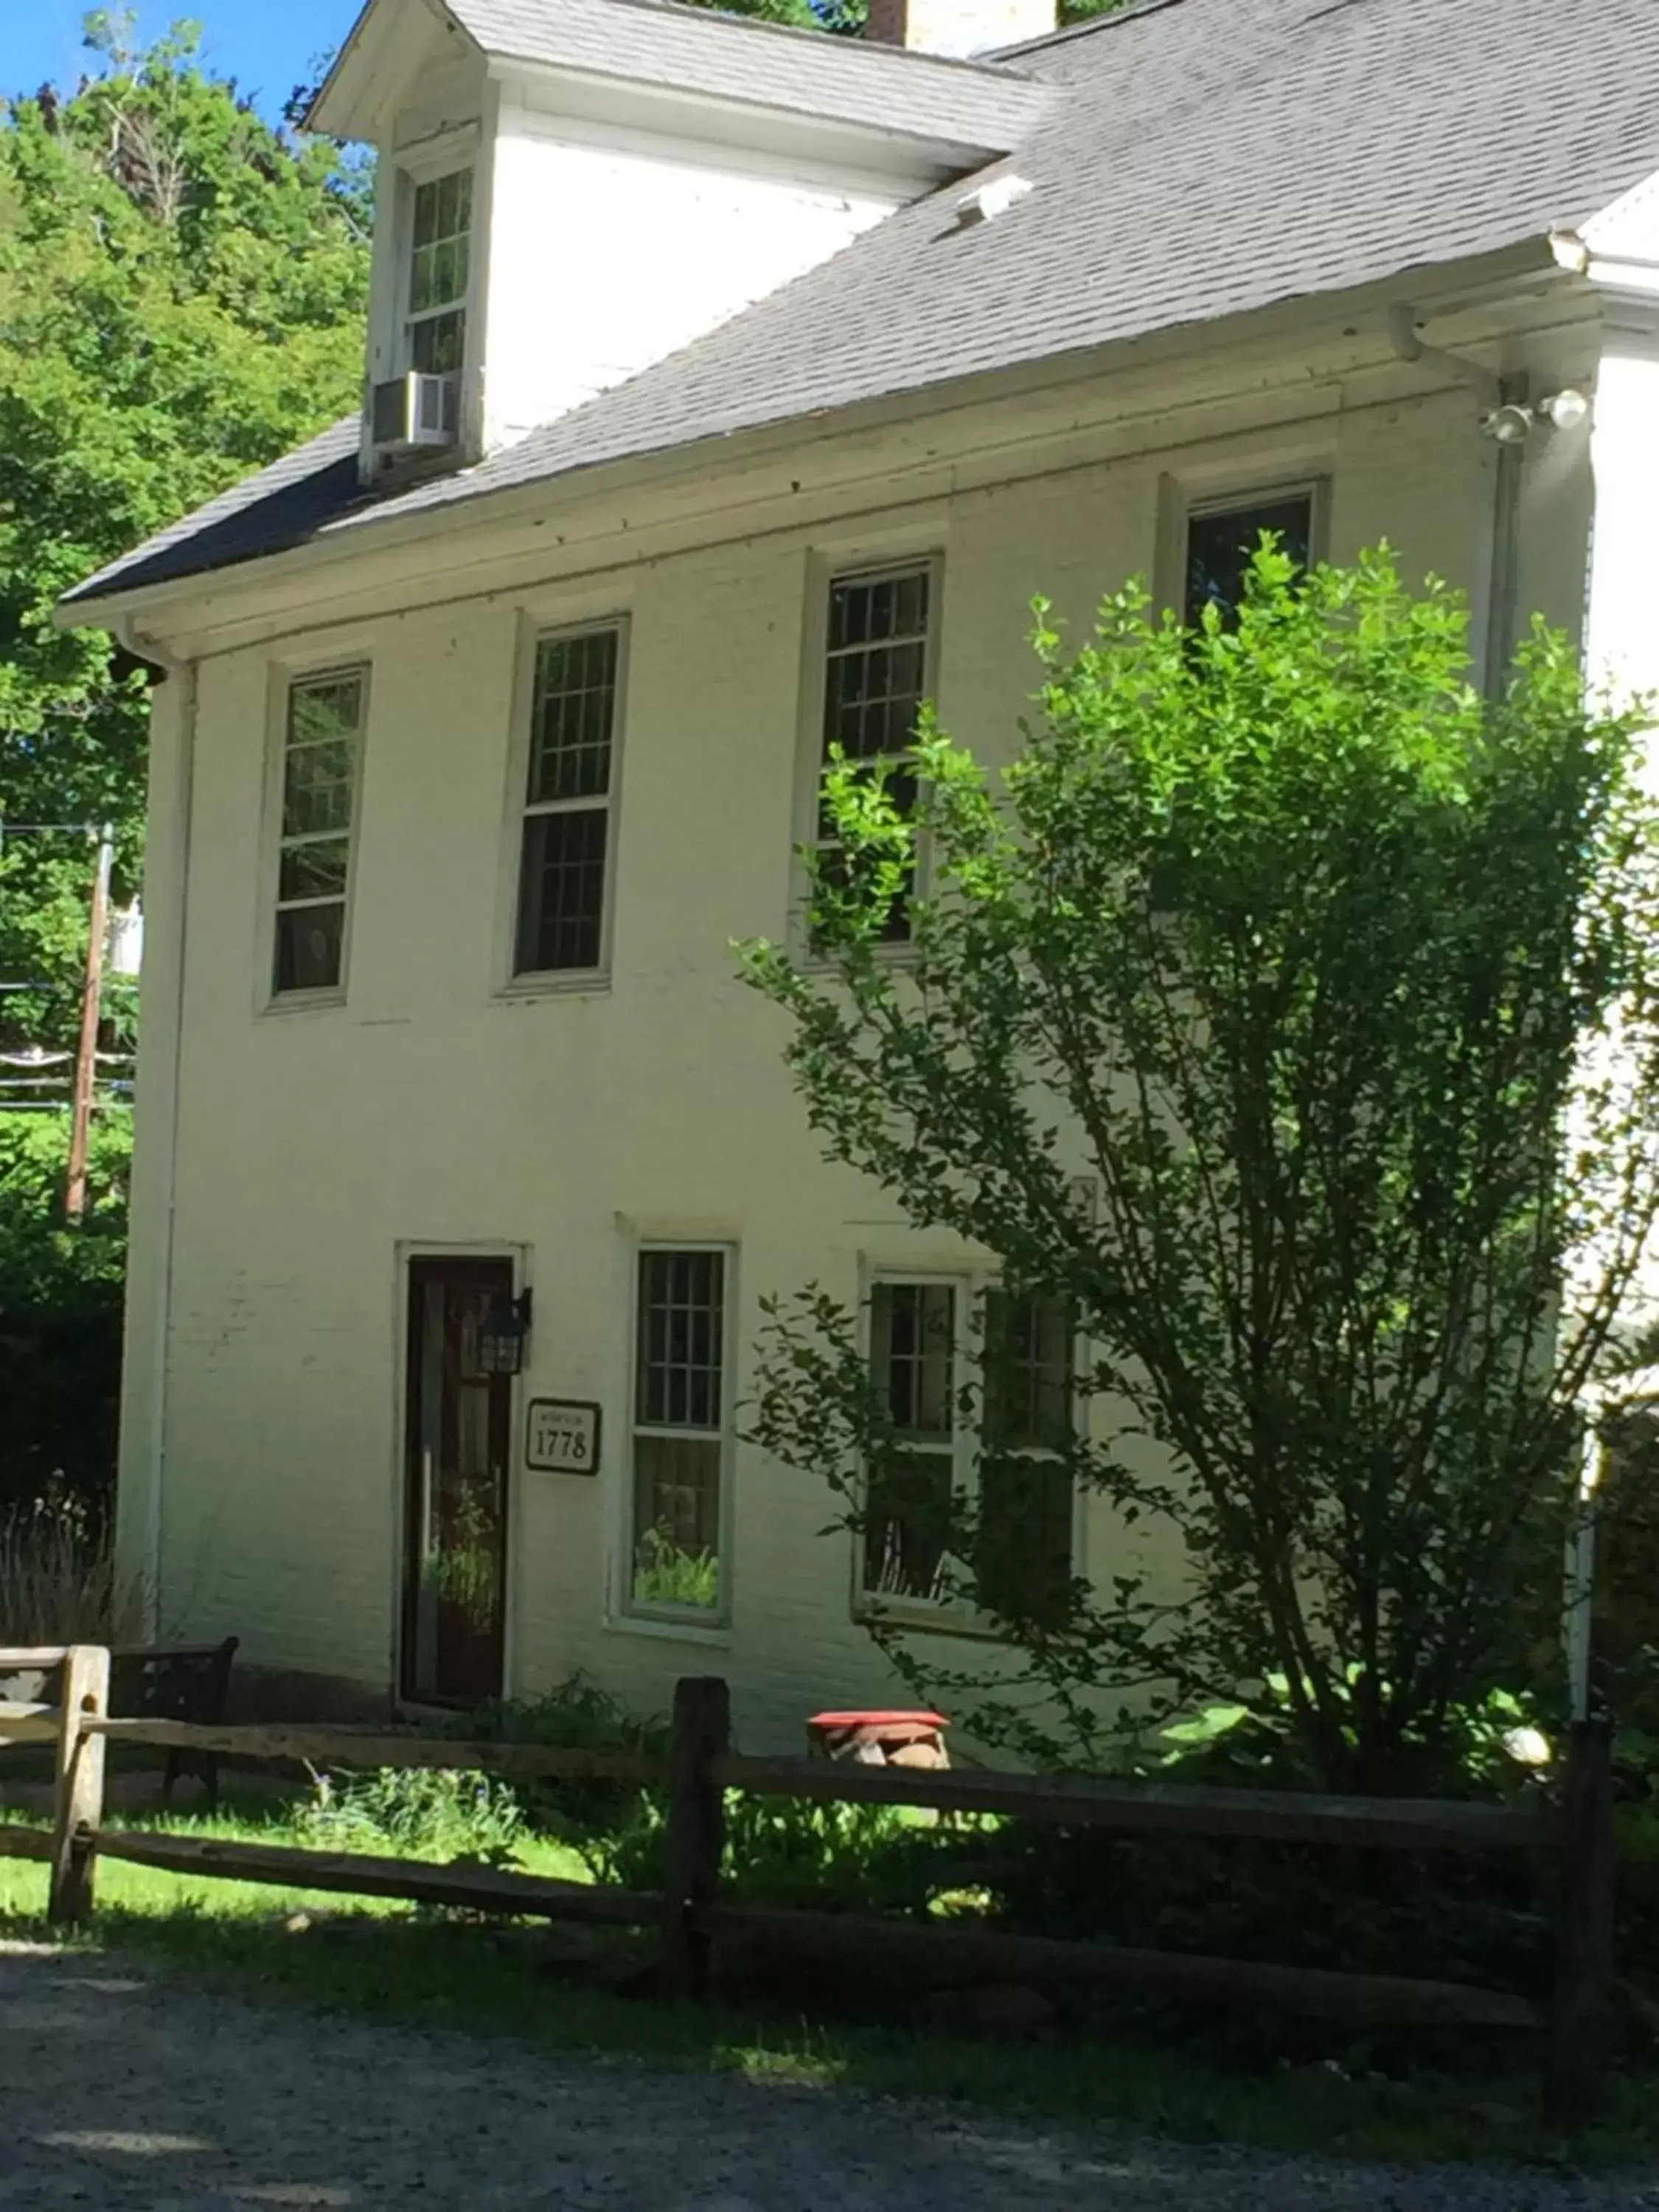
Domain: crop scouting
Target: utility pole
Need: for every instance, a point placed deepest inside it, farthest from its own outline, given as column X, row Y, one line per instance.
column 85, row 1059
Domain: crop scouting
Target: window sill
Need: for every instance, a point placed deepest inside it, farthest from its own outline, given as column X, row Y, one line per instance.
column 712, row 1636
column 891, row 955
column 921, row 1619
column 577, row 983
column 302, row 1002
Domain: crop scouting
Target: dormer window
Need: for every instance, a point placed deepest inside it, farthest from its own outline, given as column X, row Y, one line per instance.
column 418, row 408
column 440, row 270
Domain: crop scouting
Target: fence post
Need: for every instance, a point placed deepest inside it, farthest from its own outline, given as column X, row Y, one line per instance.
column 85, row 1690
column 696, row 1831
column 1581, row 2023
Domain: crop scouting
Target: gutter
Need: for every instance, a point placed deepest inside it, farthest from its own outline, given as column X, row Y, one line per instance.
column 1503, row 558
column 164, row 1142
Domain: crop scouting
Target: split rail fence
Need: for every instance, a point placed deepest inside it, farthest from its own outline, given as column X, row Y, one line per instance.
column 1572, row 1836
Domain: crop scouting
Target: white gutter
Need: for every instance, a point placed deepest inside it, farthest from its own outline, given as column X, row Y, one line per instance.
column 164, row 1142
column 1496, row 621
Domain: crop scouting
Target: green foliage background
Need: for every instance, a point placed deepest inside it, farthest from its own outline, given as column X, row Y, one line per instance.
column 182, row 299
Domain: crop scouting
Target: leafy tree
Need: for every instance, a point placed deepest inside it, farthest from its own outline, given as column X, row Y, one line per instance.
column 1292, row 1014
column 181, row 293
column 60, row 1313
column 181, row 296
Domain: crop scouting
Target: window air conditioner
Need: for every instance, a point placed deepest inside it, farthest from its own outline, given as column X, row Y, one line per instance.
column 415, row 410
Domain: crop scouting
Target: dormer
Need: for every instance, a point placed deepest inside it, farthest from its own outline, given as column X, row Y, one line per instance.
column 571, row 190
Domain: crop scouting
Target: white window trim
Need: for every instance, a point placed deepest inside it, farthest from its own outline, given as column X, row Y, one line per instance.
column 955, row 1616
column 410, row 180
column 627, row 1611
column 406, row 169
column 285, row 677
column 825, row 568
column 1184, row 500
column 551, row 982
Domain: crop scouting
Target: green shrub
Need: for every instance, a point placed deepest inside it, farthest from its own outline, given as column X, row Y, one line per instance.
column 783, row 1851
column 413, row 1812
column 1495, row 1748
column 578, row 1715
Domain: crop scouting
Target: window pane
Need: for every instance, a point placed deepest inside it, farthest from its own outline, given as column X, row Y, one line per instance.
column 330, row 707
column 913, row 1332
column 1023, row 1546
column 876, row 673
column 317, row 786
column 676, row 1504
column 1221, row 546
column 316, row 869
column 1028, row 1372
column 308, row 941
column 561, row 892
column 574, row 715
column 443, row 207
column 681, row 1358
column 907, row 1527
column 436, row 345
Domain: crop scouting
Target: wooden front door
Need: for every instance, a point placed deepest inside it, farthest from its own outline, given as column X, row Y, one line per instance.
column 459, row 1440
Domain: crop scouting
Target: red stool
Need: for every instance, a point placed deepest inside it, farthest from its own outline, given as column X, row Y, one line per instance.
column 880, row 1738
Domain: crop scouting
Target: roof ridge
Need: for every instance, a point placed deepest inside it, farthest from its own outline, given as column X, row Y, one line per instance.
column 988, row 64
column 1067, row 32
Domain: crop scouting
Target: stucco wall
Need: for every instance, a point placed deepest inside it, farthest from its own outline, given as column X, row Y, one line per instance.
column 431, row 1109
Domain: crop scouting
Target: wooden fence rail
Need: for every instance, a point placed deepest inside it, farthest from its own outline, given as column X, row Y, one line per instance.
column 693, row 1920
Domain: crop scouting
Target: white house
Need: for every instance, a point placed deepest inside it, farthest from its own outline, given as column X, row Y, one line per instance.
column 729, row 387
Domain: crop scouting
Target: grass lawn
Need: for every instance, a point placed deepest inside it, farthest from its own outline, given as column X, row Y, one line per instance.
column 396, row 1962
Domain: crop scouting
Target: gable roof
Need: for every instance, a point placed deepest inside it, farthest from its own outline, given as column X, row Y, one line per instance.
column 980, row 107
column 1197, row 159
column 766, row 64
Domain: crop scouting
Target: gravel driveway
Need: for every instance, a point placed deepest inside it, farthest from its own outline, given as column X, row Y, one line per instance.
column 140, row 2098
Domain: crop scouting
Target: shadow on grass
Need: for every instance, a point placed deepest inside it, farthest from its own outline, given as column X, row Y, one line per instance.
column 491, row 1979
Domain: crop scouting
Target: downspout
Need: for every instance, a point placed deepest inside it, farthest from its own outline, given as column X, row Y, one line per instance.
column 184, row 674
column 1502, row 580
column 1581, row 1565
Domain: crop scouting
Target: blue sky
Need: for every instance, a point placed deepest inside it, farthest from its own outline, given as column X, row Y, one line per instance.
column 267, row 45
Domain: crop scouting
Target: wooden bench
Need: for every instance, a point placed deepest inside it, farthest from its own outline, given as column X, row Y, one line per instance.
column 173, row 1682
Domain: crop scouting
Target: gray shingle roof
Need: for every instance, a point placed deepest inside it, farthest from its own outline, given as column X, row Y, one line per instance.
column 841, row 79
column 1205, row 158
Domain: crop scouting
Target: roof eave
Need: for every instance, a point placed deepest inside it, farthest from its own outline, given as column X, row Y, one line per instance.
column 1444, row 287
column 358, row 79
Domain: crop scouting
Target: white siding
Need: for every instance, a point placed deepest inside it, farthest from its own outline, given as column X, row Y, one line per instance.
column 433, row 1110
column 609, row 250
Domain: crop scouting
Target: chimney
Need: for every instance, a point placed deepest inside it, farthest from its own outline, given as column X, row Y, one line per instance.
column 960, row 27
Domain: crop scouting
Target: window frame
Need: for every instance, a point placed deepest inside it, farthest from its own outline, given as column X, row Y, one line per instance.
column 430, row 165
column 285, row 679
column 825, row 570
column 539, row 982
column 629, row 1610
column 972, row 1283
column 1187, row 500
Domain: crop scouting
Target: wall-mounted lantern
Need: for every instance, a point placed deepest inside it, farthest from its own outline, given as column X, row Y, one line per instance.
column 502, row 1336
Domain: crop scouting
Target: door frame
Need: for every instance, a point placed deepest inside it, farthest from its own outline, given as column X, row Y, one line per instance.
column 406, row 1251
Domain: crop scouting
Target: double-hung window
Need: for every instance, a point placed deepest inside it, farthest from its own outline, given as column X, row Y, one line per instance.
column 440, row 274
column 977, row 1386
column 565, row 852
column 877, row 669
column 681, row 1430
column 322, row 741
column 1223, row 540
